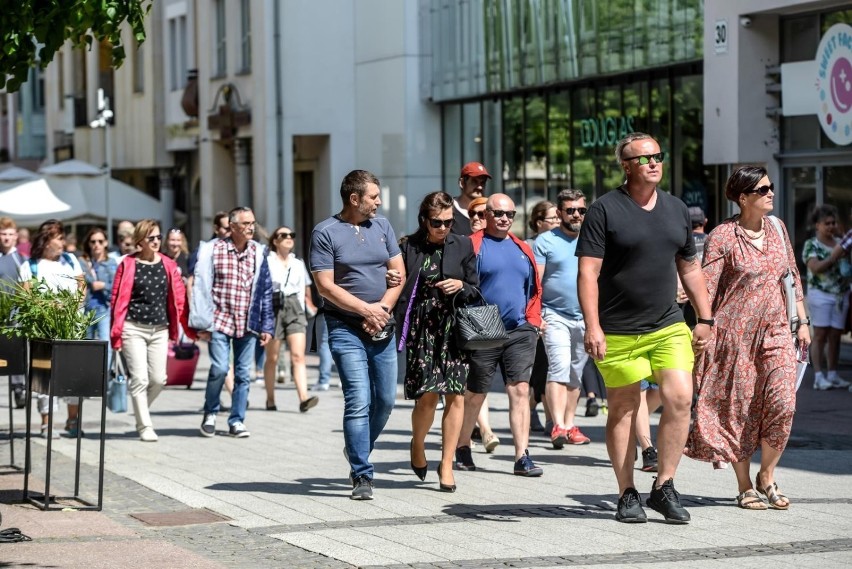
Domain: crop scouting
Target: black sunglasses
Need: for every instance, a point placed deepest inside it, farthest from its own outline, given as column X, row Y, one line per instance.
column 571, row 210
column 646, row 158
column 439, row 223
column 284, row 235
column 762, row 190
column 152, row 238
column 498, row 213
column 479, row 214
column 97, row 241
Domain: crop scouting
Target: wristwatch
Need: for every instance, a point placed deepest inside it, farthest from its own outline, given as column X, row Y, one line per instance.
column 708, row 321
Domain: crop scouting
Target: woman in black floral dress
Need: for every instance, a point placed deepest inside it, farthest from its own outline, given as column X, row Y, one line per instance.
column 439, row 265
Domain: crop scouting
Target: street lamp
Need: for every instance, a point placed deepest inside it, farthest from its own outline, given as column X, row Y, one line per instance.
column 103, row 119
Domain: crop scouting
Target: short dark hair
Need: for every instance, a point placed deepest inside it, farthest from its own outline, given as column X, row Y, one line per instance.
column 569, row 196
column 820, row 212
column 355, row 182
column 742, row 180
column 216, row 217
column 436, row 201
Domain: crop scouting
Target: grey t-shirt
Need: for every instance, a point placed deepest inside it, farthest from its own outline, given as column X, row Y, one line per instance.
column 358, row 255
column 637, row 285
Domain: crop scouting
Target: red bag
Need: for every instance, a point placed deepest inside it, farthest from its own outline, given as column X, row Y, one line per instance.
column 181, row 363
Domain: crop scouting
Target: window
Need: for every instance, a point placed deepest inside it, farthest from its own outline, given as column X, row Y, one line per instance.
column 138, row 67
column 177, row 52
column 221, row 64
column 245, row 35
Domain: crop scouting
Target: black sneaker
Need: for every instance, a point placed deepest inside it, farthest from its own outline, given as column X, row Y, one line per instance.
column 535, row 422
column 526, row 467
column 649, row 460
column 592, row 407
column 666, row 501
column 476, row 434
column 464, row 459
column 208, row 425
column 630, row 508
column 362, row 488
column 20, row 396
column 238, row 430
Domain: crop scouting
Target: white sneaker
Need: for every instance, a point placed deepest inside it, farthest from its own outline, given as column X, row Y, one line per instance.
column 821, row 383
column 836, row 381
column 148, row 435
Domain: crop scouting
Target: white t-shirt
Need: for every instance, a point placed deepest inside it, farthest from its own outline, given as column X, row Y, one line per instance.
column 291, row 279
column 59, row 275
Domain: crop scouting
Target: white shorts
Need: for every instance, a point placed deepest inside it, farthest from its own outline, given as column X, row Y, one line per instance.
column 827, row 310
column 563, row 343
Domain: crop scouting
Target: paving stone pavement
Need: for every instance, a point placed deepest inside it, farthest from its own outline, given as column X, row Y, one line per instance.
column 285, row 493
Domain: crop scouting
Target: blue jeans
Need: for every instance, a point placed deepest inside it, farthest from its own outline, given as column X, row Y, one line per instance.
column 100, row 329
column 323, row 349
column 220, row 352
column 368, row 377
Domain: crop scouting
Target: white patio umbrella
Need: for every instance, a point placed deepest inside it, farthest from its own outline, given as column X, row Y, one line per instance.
column 25, row 193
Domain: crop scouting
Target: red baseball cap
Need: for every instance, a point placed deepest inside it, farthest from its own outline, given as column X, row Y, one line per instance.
column 474, row 169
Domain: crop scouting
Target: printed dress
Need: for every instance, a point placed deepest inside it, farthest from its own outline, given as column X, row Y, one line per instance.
column 435, row 365
column 746, row 379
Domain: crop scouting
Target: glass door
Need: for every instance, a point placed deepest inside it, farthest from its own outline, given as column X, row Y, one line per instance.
column 801, row 185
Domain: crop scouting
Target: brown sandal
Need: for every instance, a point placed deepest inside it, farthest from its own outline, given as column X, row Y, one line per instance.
column 777, row 500
column 749, row 500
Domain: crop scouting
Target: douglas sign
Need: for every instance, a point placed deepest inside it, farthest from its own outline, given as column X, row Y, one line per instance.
column 604, row 131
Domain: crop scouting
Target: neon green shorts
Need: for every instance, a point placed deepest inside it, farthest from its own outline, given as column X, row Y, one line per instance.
column 632, row 358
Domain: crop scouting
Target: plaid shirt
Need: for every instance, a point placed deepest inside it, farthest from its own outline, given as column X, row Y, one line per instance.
column 233, row 274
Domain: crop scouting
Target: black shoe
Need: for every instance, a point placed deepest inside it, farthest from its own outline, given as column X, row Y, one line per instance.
column 476, row 434
column 649, row 460
column 666, row 501
column 20, row 396
column 464, row 459
column 630, row 508
column 308, row 403
column 592, row 407
column 526, row 467
column 535, row 422
column 362, row 488
column 444, row 487
column 420, row 471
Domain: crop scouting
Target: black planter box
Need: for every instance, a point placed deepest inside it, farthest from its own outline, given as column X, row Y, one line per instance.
column 68, row 368
column 14, row 352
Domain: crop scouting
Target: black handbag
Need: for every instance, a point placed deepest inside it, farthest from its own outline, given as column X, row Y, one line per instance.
column 478, row 326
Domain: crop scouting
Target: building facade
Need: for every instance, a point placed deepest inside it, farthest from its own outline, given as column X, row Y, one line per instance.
column 540, row 92
column 777, row 93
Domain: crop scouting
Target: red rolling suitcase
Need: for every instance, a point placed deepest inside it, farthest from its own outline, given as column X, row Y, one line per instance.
column 181, row 363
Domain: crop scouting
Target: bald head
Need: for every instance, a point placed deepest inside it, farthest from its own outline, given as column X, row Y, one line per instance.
column 500, row 211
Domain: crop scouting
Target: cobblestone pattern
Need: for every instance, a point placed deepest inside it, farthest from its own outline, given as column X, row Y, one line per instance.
column 644, row 557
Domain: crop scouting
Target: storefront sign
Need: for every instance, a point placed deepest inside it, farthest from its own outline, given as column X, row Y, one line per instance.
column 604, row 131
column 834, row 83
column 823, row 86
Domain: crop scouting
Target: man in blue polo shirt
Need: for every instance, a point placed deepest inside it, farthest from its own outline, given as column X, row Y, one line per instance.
column 507, row 278
column 351, row 253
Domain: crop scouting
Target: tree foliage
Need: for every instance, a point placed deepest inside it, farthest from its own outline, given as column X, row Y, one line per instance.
column 34, row 30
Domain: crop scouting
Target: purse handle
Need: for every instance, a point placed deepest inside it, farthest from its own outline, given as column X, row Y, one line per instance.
column 476, row 291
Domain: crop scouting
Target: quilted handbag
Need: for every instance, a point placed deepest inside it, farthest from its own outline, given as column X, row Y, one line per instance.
column 479, row 326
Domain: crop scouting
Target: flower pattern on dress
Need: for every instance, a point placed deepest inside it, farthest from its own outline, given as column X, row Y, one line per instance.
column 435, row 364
column 746, row 379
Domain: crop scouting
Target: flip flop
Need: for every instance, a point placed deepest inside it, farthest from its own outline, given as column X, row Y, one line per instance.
column 749, row 500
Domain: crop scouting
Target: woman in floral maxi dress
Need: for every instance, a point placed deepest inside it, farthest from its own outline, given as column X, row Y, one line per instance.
column 746, row 379
column 439, row 265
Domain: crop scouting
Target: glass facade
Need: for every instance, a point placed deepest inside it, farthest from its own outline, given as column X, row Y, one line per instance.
column 540, row 91
column 497, row 46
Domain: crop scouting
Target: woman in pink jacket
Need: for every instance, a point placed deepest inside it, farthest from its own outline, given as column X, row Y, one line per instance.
column 148, row 307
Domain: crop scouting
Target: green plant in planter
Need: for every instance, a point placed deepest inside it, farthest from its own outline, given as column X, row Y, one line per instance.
column 36, row 311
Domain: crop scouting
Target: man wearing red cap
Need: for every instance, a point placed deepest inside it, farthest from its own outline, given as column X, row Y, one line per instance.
column 472, row 182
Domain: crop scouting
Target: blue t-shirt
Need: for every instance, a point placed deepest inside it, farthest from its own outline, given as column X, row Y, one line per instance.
column 505, row 278
column 555, row 250
column 358, row 255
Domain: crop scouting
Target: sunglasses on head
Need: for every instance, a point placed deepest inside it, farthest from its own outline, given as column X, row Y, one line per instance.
column 152, row 238
column 479, row 214
column 174, row 230
column 439, row 223
column 646, row 158
column 571, row 210
column 284, row 235
column 762, row 190
column 498, row 213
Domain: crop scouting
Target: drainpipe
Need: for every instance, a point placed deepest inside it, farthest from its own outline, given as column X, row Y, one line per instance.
column 279, row 111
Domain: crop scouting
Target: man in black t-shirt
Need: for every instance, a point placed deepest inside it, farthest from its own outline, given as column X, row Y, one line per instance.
column 633, row 244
